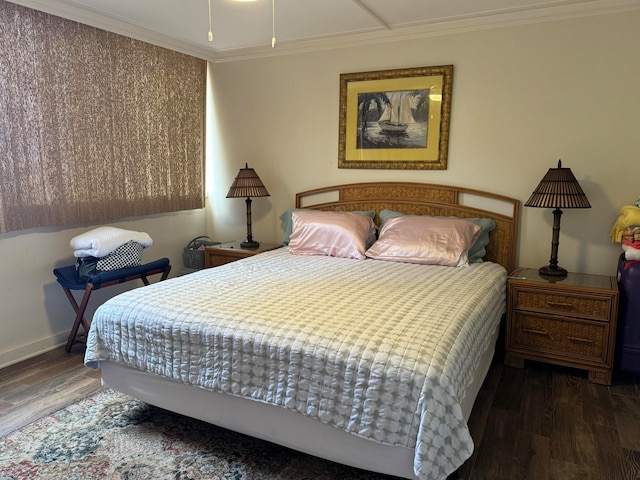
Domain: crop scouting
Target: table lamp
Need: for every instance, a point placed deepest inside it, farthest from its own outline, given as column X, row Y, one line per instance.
column 557, row 189
column 248, row 184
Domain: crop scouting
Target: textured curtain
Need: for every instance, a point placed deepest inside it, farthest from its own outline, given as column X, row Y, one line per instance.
column 94, row 126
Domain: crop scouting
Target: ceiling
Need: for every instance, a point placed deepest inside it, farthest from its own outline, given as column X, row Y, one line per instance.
column 244, row 29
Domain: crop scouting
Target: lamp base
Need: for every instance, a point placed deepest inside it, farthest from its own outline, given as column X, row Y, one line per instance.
column 250, row 244
column 550, row 271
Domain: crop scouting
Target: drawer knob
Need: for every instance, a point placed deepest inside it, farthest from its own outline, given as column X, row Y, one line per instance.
column 560, row 305
column 533, row 330
column 580, row 340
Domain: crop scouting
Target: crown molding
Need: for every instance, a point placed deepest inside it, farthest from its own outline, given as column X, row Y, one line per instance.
column 66, row 9
column 439, row 28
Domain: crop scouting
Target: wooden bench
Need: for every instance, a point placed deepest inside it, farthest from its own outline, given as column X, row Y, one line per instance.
column 67, row 277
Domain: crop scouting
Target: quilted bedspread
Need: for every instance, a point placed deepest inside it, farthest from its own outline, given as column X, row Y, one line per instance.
column 382, row 350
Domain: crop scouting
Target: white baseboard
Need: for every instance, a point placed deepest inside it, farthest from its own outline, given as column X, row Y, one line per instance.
column 9, row 357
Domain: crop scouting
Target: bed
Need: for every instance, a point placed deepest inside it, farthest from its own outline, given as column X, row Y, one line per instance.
column 366, row 362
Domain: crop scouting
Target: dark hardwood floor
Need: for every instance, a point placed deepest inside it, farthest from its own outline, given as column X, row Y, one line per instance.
column 541, row 422
column 548, row 422
column 40, row 385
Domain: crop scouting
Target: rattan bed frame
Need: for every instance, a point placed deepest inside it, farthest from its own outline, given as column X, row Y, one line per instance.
column 427, row 199
column 297, row 431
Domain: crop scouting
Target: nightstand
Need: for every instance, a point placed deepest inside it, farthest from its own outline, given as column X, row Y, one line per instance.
column 568, row 321
column 230, row 252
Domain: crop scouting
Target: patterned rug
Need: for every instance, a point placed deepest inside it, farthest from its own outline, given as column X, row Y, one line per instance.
column 112, row 436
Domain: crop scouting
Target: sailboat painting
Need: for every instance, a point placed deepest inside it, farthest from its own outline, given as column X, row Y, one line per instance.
column 396, row 119
column 397, row 116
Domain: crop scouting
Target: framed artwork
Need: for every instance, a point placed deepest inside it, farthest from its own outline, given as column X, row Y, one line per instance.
column 395, row 119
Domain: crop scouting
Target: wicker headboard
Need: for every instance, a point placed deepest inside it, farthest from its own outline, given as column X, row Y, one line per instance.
column 427, row 199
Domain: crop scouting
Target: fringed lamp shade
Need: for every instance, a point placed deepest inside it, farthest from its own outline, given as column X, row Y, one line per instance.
column 557, row 189
column 247, row 184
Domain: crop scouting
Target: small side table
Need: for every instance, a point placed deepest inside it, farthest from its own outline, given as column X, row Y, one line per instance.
column 568, row 321
column 217, row 255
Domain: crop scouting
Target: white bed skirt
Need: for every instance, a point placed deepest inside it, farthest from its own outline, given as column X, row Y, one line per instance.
column 274, row 423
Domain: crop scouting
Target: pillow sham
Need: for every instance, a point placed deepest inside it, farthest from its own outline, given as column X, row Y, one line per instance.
column 479, row 248
column 287, row 222
column 334, row 234
column 425, row 240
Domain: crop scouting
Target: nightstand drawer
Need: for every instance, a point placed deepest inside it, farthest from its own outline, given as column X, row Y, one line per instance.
column 221, row 259
column 224, row 253
column 583, row 305
column 560, row 336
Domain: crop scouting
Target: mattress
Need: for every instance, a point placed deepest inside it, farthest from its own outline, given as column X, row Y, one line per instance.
column 381, row 350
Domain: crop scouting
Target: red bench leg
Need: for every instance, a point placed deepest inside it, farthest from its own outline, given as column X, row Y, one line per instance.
column 79, row 309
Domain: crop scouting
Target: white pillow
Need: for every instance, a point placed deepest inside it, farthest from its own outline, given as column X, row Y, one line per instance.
column 334, row 234
column 425, row 240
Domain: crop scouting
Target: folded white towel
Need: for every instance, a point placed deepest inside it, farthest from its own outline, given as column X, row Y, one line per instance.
column 101, row 241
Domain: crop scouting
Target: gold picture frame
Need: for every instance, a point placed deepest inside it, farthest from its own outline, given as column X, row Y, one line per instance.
column 395, row 119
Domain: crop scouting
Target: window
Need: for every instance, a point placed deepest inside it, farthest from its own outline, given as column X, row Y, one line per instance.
column 94, row 126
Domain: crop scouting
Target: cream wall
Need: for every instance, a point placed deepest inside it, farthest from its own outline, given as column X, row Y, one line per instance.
column 523, row 97
column 35, row 313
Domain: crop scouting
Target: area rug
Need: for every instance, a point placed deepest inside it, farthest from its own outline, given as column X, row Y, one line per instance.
column 112, row 436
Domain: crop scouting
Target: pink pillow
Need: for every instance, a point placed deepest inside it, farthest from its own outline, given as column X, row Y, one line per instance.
column 334, row 234
column 425, row 240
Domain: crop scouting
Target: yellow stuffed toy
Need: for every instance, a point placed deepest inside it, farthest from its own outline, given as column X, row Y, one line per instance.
column 626, row 230
column 627, row 226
